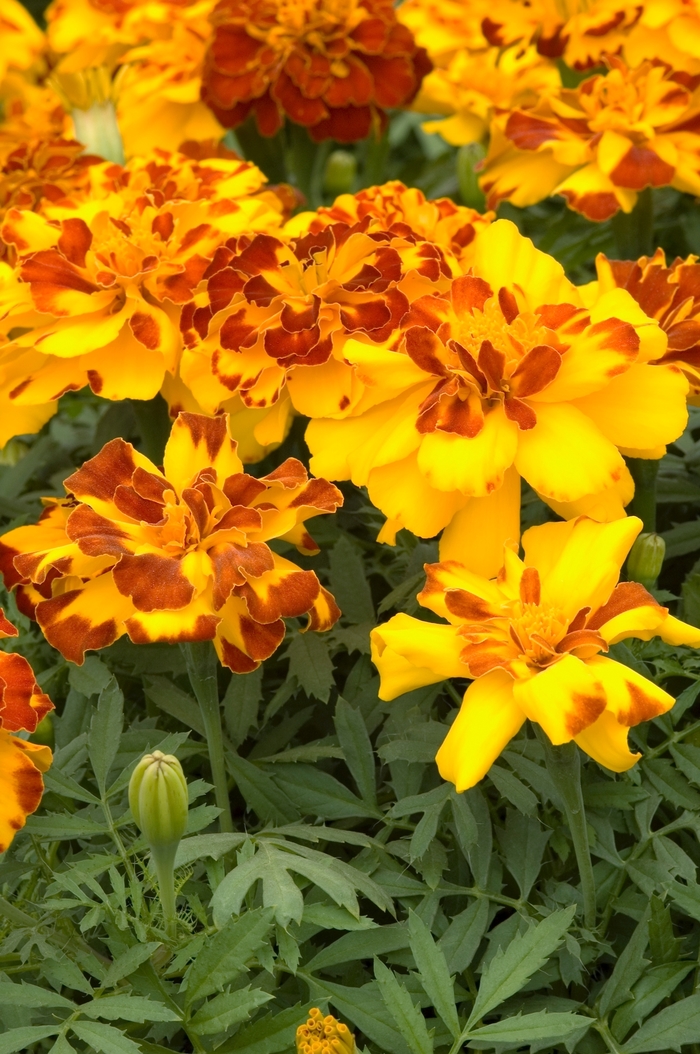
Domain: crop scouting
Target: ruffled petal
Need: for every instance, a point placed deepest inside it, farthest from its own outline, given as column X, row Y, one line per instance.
column 21, row 785
column 606, row 742
column 410, row 654
column 564, row 699
column 477, row 533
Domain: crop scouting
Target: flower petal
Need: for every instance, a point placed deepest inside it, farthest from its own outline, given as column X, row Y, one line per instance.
column 410, row 653
column 564, row 699
column 606, row 742
column 477, row 533
column 21, row 785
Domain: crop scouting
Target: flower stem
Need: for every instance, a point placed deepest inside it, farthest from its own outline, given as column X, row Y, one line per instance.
column 164, row 866
column 202, row 668
column 634, row 231
column 267, row 152
column 98, row 131
column 564, row 766
column 644, row 472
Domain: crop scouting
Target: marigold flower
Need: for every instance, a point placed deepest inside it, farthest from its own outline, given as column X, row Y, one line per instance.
column 334, row 66
column 445, row 27
column 160, row 47
column 600, row 144
column 177, row 555
column 671, row 295
column 279, row 304
column 324, row 1034
column 533, row 640
column 475, row 86
column 505, row 373
column 22, row 706
column 101, row 284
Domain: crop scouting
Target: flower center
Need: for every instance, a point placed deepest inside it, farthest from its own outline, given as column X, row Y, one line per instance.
column 536, row 631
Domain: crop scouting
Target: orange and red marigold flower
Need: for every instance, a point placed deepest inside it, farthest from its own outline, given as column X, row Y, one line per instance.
column 177, row 555
column 22, row 706
column 334, row 66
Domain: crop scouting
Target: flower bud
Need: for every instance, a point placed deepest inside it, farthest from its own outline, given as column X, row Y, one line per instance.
column 645, row 559
column 341, row 169
column 158, row 799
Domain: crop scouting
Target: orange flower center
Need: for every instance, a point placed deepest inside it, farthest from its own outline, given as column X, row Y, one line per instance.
column 536, row 630
column 309, row 21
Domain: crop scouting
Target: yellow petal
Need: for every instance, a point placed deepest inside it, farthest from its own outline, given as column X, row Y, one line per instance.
column 476, row 535
column 452, row 574
column 606, row 742
column 505, row 257
column 477, row 466
column 643, row 408
column 196, row 443
column 410, row 653
column 90, row 616
column 402, row 493
column 565, row 456
column 606, row 505
column 564, row 699
column 487, row 721
column 21, row 785
column 631, row 697
column 673, row 631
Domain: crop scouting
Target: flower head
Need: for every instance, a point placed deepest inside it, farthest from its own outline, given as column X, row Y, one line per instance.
column 445, row 27
column 22, row 43
column 22, row 706
column 324, row 1034
column 671, row 295
column 331, row 65
column 177, row 555
column 600, row 144
column 101, row 283
column 534, row 642
column 506, row 371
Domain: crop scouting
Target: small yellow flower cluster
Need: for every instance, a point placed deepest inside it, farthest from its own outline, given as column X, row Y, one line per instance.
column 324, row 1035
column 497, row 79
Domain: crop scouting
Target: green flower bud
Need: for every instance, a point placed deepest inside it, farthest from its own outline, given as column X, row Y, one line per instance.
column 645, row 559
column 158, row 800
column 341, row 169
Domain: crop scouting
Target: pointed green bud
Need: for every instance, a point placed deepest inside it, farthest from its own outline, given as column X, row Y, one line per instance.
column 158, row 799
column 646, row 559
column 341, row 169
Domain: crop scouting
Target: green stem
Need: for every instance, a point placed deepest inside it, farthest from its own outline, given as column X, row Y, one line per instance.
column 267, row 152
column 16, row 915
column 98, row 131
column 564, row 766
column 468, row 157
column 644, row 472
column 634, row 231
column 164, row 865
column 202, row 667
column 307, row 161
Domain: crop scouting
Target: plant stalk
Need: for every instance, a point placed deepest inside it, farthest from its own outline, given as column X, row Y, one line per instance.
column 644, row 472
column 564, row 766
column 634, row 231
column 164, row 866
column 202, row 667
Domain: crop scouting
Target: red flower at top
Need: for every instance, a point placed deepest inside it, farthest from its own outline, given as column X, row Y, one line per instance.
column 331, row 65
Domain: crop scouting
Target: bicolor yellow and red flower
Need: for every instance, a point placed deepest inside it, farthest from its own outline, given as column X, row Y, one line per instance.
column 333, row 66
column 669, row 294
column 277, row 306
column 177, row 555
column 22, row 707
column 101, row 284
column 505, row 374
column 600, row 144
column 534, row 641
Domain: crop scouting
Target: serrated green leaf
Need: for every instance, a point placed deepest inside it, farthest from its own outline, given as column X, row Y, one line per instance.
column 241, row 704
column 348, row 582
column 60, row 783
column 408, row 1017
column 129, row 961
column 311, row 666
column 91, row 678
column 513, row 966
column 433, row 972
column 653, row 987
column 317, row 793
column 523, row 842
column 357, row 748
column 360, row 945
column 225, row 955
column 59, row 827
column 127, row 1008
column 259, row 791
column 229, row 1008
column 268, row 1035
column 172, row 700
column 463, row 936
column 207, row 845
column 628, row 968
column 31, row 995
column 668, row 1030
column 104, row 1038
column 22, row 1038
column 532, row 1028
column 105, row 731
column 62, row 1046
column 512, row 788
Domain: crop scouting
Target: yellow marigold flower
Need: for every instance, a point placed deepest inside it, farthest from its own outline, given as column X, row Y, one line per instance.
column 476, row 85
column 29, row 112
column 177, row 555
column 22, row 43
column 324, row 1034
column 444, row 27
column 276, row 304
column 671, row 295
column 101, row 285
column 533, row 640
column 160, row 46
column 600, row 144
column 506, row 373
column 22, row 706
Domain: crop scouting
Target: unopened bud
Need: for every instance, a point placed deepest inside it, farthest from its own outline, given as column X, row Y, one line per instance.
column 158, row 799
column 646, row 559
column 341, row 169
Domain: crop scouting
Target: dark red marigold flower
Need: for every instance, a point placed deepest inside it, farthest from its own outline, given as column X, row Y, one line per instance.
column 331, row 65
